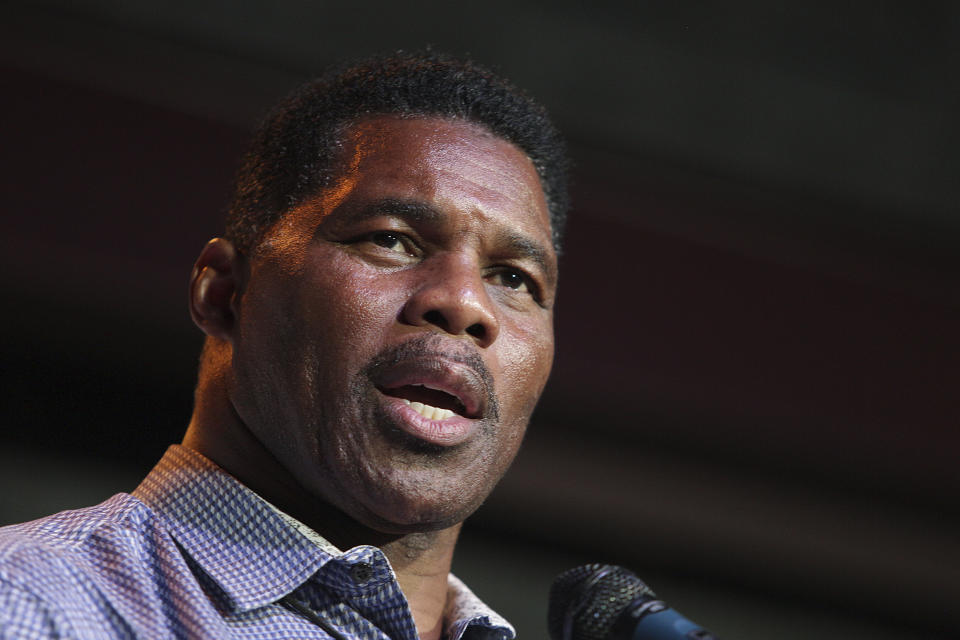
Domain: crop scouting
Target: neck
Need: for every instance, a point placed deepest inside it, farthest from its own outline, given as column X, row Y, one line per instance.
column 422, row 564
column 420, row 560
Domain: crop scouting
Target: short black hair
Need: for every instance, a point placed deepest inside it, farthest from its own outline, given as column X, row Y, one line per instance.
column 294, row 152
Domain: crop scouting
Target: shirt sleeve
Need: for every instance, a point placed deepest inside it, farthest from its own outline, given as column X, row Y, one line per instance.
column 25, row 616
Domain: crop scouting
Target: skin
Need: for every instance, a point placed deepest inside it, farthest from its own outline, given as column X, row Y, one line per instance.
column 431, row 256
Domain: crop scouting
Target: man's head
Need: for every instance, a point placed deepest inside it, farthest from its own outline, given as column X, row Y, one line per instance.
column 295, row 152
column 385, row 336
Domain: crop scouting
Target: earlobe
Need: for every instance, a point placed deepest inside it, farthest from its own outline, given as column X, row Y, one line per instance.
column 214, row 282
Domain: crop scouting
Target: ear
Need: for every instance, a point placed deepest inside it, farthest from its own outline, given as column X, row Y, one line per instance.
column 214, row 283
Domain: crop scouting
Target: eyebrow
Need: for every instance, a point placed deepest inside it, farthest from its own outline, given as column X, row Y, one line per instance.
column 415, row 211
column 409, row 210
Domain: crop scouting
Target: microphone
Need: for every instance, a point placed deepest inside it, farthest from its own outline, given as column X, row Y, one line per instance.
column 606, row 602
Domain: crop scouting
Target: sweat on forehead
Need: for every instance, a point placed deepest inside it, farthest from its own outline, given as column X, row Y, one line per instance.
column 294, row 152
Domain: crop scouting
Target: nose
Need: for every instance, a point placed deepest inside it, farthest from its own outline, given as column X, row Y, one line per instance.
column 451, row 295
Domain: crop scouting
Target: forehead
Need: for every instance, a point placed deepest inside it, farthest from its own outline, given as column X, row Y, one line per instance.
column 453, row 163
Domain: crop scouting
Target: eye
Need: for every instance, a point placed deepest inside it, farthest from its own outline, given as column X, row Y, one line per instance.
column 393, row 242
column 388, row 240
column 514, row 279
column 385, row 246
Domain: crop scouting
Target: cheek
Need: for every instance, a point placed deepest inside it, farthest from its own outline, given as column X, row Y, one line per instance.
column 354, row 306
column 526, row 363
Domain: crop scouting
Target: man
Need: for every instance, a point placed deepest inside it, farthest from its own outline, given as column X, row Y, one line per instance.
column 379, row 329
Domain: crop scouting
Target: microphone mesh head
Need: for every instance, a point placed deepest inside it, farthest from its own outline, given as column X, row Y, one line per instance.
column 585, row 601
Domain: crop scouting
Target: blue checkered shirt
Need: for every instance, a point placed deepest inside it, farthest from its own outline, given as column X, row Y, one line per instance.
column 192, row 553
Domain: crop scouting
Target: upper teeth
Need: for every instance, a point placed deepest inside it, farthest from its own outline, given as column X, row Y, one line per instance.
column 429, row 412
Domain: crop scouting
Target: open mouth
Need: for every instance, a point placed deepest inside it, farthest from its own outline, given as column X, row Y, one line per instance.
column 431, row 403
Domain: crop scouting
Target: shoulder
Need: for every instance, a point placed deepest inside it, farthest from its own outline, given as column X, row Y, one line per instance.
column 56, row 572
column 71, row 537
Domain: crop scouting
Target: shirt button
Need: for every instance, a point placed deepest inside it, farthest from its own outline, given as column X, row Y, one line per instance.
column 361, row 572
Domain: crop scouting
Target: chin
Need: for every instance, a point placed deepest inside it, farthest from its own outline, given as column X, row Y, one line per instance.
column 397, row 519
column 405, row 512
column 417, row 493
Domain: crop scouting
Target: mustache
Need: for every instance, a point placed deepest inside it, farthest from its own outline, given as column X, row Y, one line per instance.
column 435, row 347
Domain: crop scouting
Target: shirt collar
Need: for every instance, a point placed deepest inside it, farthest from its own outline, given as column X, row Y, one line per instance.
column 242, row 544
column 255, row 553
column 466, row 616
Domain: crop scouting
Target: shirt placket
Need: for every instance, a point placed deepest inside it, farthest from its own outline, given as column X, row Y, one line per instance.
column 358, row 595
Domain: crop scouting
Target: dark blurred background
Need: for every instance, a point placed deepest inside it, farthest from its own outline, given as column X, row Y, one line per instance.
column 754, row 404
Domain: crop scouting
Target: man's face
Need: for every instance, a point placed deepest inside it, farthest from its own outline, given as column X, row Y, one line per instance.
column 396, row 331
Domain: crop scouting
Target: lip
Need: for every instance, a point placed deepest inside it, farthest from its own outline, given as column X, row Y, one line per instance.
column 443, row 374
column 445, row 433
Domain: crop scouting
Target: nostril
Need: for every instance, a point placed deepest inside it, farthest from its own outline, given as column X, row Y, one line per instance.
column 477, row 330
column 436, row 318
